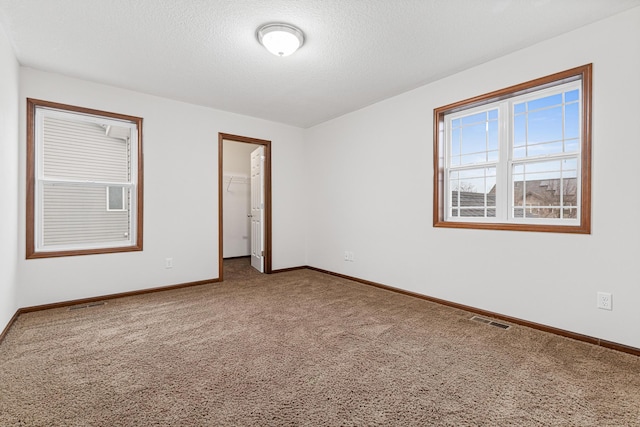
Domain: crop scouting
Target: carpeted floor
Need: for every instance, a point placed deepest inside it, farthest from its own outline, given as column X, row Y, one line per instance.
column 301, row 349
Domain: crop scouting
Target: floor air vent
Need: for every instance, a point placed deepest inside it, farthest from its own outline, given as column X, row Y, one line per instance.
column 93, row 304
column 490, row 322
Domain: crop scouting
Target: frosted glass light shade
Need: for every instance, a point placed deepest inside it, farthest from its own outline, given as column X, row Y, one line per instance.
column 280, row 39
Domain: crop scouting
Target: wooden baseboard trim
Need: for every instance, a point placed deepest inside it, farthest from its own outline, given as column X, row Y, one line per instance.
column 284, row 270
column 9, row 325
column 100, row 298
column 114, row 296
column 557, row 331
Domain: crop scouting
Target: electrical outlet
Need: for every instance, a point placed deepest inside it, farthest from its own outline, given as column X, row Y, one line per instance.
column 346, row 255
column 605, row 301
column 168, row 263
column 352, row 257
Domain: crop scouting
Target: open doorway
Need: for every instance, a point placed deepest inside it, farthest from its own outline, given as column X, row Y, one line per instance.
column 244, row 198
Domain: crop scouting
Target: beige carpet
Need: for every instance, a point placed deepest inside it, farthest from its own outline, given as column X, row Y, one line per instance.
column 301, row 349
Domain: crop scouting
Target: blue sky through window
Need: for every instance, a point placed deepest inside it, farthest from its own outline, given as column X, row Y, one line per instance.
column 543, row 126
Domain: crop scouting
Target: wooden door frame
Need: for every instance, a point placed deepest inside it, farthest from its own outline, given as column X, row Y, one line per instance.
column 267, row 197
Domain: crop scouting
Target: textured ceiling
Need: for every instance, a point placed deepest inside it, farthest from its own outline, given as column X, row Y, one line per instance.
column 356, row 52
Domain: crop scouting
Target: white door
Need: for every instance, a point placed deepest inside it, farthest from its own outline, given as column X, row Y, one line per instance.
column 257, row 209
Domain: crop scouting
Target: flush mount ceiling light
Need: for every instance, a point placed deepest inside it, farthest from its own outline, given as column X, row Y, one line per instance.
column 280, row 39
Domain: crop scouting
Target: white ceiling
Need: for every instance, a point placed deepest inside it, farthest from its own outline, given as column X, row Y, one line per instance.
column 356, row 52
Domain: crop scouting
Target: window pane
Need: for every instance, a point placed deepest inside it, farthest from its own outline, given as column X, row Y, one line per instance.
column 519, row 153
column 519, row 130
column 74, row 214
column 545, row 149
column 474, row 118
column 455, row 142
column 542, row 170
column 541, row 189
column 572, row 95
column 476, row 140
column 77, row 149
column 545, row 125
column 473, row 192
column 492, row 142
column 547, row 101
column 570, row 168
column 571, row 146
column 572, row 121
column 473, row 158
column 115, row 198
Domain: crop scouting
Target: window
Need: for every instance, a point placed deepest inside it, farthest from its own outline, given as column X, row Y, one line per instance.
column 116, row 199
column 518, row 158
column 84, row 181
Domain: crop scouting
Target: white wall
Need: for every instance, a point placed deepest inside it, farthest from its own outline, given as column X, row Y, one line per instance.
column 371, row 184
column 236, row 198
column 180, row 194
column 8, row 180
column 236, row 157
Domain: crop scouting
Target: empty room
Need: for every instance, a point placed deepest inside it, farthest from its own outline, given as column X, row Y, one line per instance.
column 319, row 213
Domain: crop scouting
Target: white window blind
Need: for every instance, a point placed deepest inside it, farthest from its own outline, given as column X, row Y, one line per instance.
column 78, row 158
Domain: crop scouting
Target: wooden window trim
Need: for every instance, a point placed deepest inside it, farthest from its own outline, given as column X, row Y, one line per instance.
column 31, row 252
column 583, row 73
